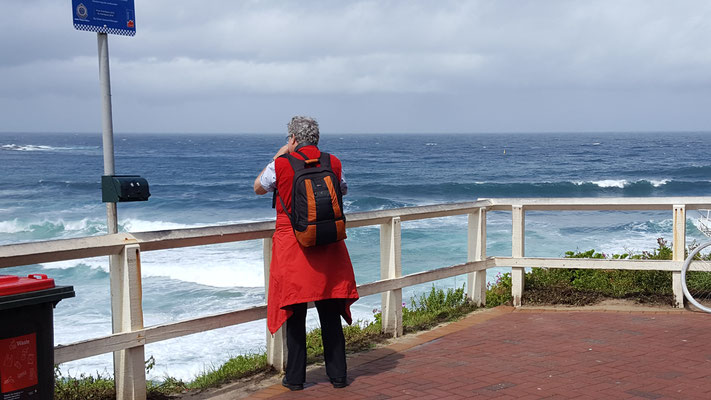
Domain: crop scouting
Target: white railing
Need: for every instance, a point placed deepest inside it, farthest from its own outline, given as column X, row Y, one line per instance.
column 130, row 336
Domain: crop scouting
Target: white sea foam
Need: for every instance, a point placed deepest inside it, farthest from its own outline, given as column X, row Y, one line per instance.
column 101, row 263
column 12, row 226
column 138, row 225
column 436, row 223
column 226, row 265
column 31, row 147
column 621, row 183
column 633, row 242
column 606, row 183
column 70, row 228
column 83, row 224
column 659, row 182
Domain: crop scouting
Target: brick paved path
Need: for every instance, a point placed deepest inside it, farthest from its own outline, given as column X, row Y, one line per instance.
column 503, row 353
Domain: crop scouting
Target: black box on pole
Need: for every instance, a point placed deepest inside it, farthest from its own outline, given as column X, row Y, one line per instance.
column 119, row 188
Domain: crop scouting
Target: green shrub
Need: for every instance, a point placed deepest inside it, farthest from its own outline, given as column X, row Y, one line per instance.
column 499, row 292
column 581, row 286
column 622, row 283
column 546, row 278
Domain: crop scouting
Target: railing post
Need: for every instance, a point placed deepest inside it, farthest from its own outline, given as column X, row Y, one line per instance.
column 476, row 251
column 678, row 252
column 517, row 251
column 276, row 343
column 391, row 267
column 127, row 316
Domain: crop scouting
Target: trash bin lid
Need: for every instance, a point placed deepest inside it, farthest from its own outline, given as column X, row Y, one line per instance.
column 10, row 284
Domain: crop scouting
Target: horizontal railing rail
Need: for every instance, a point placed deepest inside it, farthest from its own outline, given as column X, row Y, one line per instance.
column 130, row 336
column 588, row 263
column 600, row 203
column 70, row 249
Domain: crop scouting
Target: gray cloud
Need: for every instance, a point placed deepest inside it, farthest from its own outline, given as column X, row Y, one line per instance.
column 401, row 66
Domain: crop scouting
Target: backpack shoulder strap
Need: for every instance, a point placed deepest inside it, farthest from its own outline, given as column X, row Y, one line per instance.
column 298, row 164
column 283, row 206
column 325, row 160
column 274, row 193
column 301, row 154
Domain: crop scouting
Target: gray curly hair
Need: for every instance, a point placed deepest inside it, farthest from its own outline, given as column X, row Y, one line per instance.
column 304, row 129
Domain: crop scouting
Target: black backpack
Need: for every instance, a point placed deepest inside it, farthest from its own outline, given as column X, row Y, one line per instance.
column 316, row 201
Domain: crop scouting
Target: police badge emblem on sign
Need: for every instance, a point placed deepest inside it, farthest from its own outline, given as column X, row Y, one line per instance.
column 117, row 17
column 82, row 12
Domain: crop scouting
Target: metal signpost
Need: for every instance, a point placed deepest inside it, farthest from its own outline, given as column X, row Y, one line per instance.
column 116, row 17
column 104, row 17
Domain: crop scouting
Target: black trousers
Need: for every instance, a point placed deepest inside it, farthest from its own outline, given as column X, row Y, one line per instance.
column 334, row 344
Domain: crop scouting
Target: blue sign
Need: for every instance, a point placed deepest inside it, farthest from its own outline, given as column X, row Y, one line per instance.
column 105, row 16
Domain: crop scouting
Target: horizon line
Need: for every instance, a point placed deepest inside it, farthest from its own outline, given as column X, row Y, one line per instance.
column 367, row 133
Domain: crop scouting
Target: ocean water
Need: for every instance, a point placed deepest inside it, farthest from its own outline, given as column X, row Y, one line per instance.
column 50, row 189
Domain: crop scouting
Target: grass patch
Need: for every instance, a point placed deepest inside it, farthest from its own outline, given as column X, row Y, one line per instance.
column 83, row 387
column 235, row 368
column 430, row 309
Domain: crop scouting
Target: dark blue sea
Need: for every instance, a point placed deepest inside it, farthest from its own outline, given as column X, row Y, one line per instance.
column 50, row 189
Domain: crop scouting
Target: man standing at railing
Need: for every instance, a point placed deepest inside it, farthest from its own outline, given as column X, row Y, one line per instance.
column 299, row 273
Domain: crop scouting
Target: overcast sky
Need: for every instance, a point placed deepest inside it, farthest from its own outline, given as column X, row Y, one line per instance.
column 365, row 66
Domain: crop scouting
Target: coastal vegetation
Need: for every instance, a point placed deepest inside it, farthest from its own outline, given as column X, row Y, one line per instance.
column 548, row 286
column 551, row 286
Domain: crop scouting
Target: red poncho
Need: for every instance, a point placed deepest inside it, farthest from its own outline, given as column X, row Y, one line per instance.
column 301, row 274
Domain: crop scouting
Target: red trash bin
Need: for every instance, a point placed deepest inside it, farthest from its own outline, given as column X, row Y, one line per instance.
column 27, row 335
